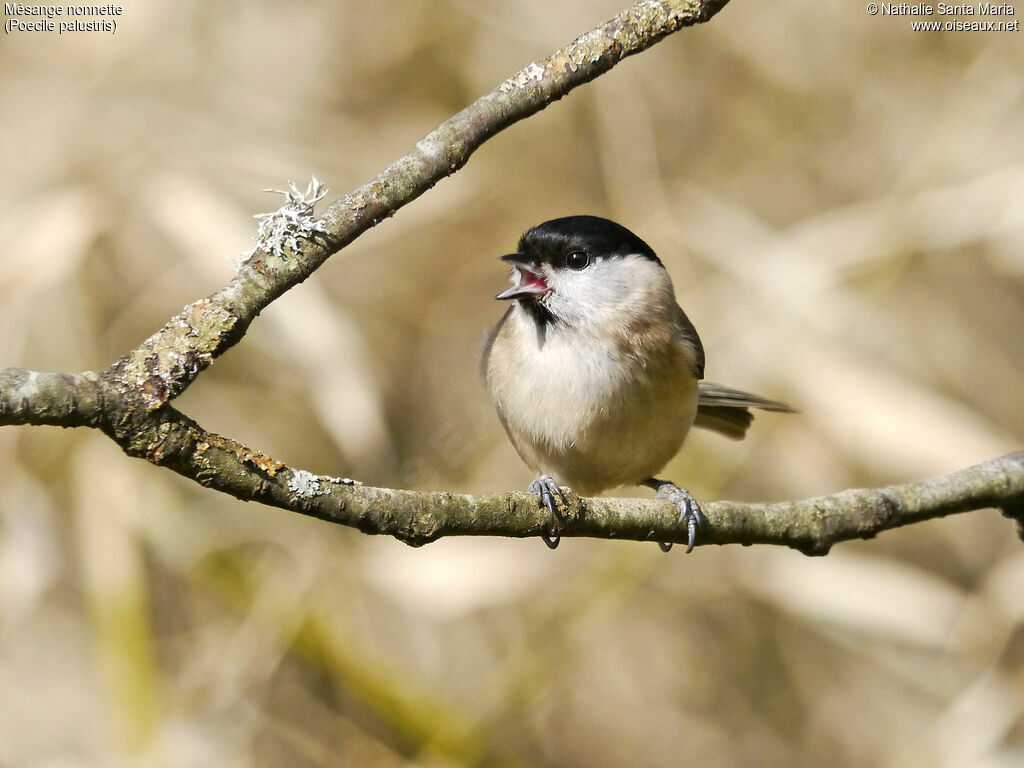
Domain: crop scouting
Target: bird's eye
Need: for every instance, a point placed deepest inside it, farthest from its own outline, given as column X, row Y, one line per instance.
column 577, row 260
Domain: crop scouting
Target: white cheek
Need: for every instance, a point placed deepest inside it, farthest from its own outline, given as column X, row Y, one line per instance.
column 575, row 297
column 599, row 293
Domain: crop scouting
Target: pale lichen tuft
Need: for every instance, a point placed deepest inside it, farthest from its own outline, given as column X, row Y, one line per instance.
column 305, row 484
column 281, row 230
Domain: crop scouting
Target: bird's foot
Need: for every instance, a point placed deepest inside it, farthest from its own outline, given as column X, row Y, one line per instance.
column 689, row 510
column 546, row 489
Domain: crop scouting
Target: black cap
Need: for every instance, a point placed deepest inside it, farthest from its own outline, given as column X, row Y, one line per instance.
column 553, row 240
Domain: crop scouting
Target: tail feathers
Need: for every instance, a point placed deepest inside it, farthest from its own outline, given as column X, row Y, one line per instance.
column 727, row 411
column 726, row 420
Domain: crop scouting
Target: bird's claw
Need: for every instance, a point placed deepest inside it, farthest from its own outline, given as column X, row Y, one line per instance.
column 689, row 511
column 552, row 542
column 546, row 489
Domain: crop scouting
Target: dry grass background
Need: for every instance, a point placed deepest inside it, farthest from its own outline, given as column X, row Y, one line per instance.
column 840, row 202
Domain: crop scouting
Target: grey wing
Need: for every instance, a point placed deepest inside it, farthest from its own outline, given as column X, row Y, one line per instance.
column 727, row 411
column 689, row 336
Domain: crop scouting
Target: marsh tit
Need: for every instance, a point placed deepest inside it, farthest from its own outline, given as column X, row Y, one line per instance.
column 595, row 371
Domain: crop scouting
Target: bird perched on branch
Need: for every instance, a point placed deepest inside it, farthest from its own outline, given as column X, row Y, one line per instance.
column 595, row 371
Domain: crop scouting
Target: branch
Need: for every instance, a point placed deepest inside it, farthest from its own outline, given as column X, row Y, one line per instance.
column 167, row 362
column 811, row 526
column 130, row 401
column 168, row 438
column 56, row 399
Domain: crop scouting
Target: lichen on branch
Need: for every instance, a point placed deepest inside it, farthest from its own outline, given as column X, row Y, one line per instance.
column 283, row 231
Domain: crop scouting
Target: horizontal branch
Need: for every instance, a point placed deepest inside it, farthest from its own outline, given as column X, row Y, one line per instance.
column 419, row 517
column 166, row 437
column 56, row 399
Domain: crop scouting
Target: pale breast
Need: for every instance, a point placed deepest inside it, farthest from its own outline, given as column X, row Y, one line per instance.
column 592, row 414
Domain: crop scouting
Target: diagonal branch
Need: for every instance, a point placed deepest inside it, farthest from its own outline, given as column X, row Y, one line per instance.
column 168, row 361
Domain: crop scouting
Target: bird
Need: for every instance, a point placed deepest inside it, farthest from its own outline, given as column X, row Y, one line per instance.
column 596, row 373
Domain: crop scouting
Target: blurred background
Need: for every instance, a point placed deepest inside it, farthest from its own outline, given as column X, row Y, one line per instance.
column 840, row 203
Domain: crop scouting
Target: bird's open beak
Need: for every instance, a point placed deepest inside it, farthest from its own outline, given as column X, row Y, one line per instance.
column 529, row 281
